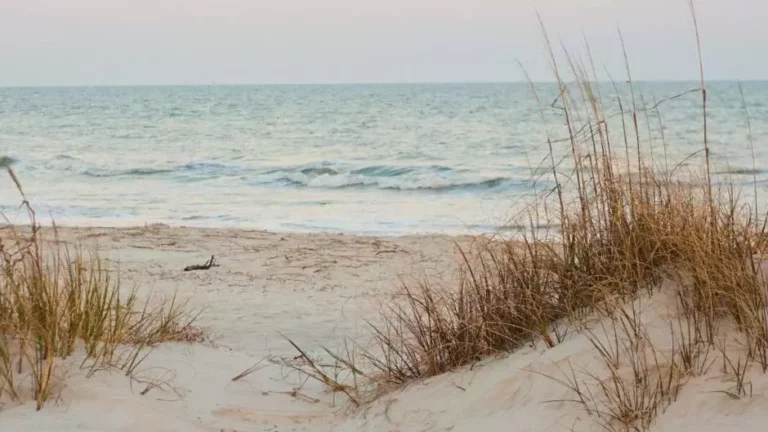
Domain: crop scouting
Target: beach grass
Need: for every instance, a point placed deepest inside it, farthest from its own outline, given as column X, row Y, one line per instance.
column 628, row 228
column 56, row 299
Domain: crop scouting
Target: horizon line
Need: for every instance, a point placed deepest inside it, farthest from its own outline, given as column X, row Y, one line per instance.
column 369, row 83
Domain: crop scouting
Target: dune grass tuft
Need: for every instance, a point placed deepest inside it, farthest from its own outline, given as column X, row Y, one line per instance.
column 54, row 299
column 628, row 220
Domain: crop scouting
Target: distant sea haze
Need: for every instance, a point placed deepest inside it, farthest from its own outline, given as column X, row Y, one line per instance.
column 364, row 159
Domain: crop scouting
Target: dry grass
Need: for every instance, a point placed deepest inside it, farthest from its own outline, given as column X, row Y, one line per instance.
column 428, row 330
column 54, row 300
column 639, row 382
column 626, row 223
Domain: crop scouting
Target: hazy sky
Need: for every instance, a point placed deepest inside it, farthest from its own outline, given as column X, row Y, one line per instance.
column 105, row 42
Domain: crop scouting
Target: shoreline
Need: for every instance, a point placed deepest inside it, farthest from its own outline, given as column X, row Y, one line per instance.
column 73, row 232
column 469, row 231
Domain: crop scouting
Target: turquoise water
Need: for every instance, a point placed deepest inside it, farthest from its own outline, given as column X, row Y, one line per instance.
column 374, row 159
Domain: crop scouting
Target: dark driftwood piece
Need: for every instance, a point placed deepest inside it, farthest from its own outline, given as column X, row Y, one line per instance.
column 208, row 264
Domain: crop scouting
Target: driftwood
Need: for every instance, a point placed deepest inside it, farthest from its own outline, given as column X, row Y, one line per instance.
column 208, row 264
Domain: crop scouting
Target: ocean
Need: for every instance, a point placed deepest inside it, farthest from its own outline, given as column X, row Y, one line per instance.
column 362, row 159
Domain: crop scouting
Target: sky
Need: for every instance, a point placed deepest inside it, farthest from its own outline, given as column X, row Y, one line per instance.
column 160, row 42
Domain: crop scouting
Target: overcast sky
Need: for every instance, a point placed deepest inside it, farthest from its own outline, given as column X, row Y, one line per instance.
column 124, row 42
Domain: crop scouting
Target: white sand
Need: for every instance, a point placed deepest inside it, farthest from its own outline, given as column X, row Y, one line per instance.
column 317, row 289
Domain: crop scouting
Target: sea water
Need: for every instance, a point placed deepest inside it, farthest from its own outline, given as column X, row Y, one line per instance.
column 365, row 159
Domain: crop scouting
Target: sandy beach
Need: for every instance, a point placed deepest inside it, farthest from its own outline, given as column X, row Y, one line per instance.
column 308, row 286
column 316, row 289
column 319, row 289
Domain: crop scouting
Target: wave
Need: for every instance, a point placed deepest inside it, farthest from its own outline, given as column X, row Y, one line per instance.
column 352, row 181
column 319, row 171
column 742, row 171
column 213, row 169
column 387, row 177
column 327, row 175
column 199, row 169
column 132, row 172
